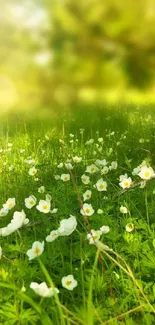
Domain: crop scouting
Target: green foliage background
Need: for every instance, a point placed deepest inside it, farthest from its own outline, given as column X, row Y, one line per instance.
column 66, row 51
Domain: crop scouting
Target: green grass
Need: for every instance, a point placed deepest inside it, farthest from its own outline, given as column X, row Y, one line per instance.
column 114, row 287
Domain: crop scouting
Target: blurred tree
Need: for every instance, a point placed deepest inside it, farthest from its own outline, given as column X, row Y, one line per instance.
column 65, row 50
column 100, row 44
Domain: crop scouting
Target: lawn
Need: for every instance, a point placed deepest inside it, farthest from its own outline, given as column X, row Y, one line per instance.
column 77, row 217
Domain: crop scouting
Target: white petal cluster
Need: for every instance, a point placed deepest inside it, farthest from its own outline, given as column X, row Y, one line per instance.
column 30, row 202
column 77, row 159
column 36, row 250
column 125, row 181
column 10, row 203
column 101, row 185
column 91, row 169
column 87, row 195
column 129, row 227
column 93, row 236
column 68, row 282
column 87, row 210
column 19, row 220
column 67, row 226
column 42, row 289
column 146, row 173
column 65, row 177
column 85, row 179
column 44, row 206
column 32, row 171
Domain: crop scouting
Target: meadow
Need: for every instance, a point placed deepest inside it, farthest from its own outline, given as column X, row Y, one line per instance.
column 77, row 216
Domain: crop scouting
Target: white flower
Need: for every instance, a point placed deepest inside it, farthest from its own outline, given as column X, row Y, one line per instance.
column 87, row 210
column 68, row 166
column 0, row 252
column 93, row 236
column 29, row 161
column 36, row 250
column 44, row 206
column 32, row 171
column 122, row 177
column 101, row 185
column 104, row 170
column 41, row 189
column 55, row 210
column 129, row 227
column 52, row 236
column 69, row 282
column 19, row 219
column 87, row 195
column 91, row 169
column 99, row 211
column 67, row 226
column 57, row 177
column 30, row 202
column 10, row 203
column 110, row 151
column 65, row 177
column 136, row 171
column 3, row 212
column 105, row 229
column 100, row 140
column 123, row 209
column 91, row 141
column 60, row 165
column 42, row 289
column 85, row 179
column 101, row 163
column 146, row 172
column 77, row 159
column 142, row 184
column 126, row 183
column 114, row 165
column 48, row 197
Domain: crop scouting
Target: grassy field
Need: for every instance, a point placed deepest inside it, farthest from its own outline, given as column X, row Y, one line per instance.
column 64, row 190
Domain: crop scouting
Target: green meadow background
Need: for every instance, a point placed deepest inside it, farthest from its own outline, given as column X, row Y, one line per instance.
column 71, row 71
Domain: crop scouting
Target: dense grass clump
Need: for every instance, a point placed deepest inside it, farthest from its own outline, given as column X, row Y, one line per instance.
column 77, row 217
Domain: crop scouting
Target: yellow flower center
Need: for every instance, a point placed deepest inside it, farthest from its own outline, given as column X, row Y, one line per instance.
column 126, row 184
column 101, row 186
column 68, row 282
column 146, row 174
column 37, row 250
column 130, row 226
column 31, row 202
column 95, row 237
column 10, row 204
column 45, row 207
column 92, row 169
column 87, row 210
